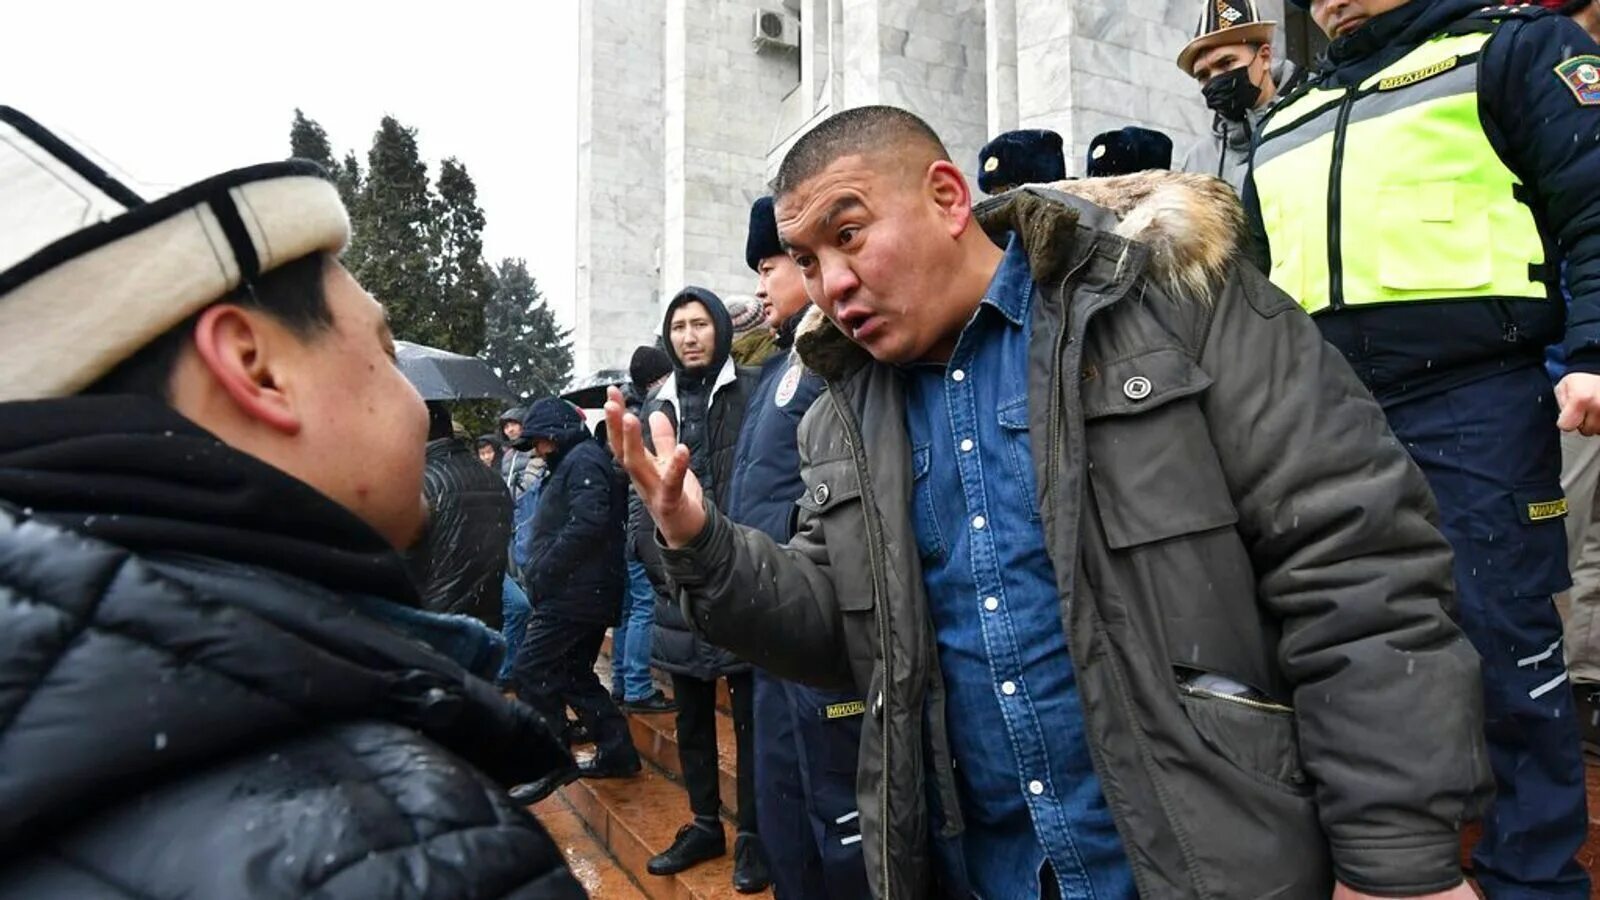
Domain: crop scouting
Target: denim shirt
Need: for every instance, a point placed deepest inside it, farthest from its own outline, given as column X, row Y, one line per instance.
column 1027, row 786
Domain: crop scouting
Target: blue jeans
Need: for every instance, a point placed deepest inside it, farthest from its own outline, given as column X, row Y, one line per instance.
column 514, row 612
column 630, row 641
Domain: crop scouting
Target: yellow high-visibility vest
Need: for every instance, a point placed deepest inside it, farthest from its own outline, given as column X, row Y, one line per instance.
column 1391, row 192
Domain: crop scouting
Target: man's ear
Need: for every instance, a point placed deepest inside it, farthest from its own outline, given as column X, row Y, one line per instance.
column 237, row 347
column 949, row 190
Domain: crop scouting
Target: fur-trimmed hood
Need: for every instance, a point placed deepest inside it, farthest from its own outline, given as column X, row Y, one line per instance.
column 1189, row 224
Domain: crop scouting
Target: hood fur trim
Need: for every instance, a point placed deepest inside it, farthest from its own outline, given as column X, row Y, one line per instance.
column 1190, row 224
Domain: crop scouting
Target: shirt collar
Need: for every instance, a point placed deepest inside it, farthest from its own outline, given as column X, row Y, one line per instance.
column 1011, row 289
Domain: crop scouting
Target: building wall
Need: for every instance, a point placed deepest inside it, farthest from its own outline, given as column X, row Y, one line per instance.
column 620, row 189
column 722, row 102
column 682, row 122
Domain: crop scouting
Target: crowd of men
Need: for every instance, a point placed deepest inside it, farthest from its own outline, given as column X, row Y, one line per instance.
column 1177, row 534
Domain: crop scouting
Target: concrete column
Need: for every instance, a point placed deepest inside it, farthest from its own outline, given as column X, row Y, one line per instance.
column 1000, row 57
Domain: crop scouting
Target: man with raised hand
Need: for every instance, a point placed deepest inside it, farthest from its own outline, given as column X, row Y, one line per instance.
column 1133, row 576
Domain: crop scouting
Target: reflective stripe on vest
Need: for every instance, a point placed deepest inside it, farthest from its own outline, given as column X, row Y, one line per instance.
column 1392, row 192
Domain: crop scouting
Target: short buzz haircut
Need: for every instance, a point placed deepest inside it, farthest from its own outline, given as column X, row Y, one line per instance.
column 865, row 129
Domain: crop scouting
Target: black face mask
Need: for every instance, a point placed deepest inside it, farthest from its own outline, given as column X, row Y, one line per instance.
column 1232, row 94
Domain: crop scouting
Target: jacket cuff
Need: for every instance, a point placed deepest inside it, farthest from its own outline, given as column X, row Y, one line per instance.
column 1586, row 361
column 1397, row 869
column 687, row 565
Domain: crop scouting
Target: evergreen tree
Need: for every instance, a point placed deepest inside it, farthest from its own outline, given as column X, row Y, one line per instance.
column 307, row 140
column 394, row 255
column 347, row 178
column 463, row 284
column 523, row 341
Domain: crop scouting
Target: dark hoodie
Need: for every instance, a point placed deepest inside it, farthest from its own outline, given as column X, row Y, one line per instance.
column 707, row 406
column 1548, row 140
column 576, row 568
column 693, row 387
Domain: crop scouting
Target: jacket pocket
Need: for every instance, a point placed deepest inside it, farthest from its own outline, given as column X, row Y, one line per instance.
column 1257, row 736
column 1434, row 236
column 1153, row 469
column 1019, row 453
column 833, row 496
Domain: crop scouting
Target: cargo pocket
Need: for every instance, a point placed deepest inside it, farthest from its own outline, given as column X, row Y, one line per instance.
column 1154, row 471
column 1256, row 735
column 1538, row 552
column 836, row 731
column 1434, row 237
column 833, row 496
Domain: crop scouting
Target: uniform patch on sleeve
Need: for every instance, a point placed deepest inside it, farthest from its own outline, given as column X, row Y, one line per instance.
column 1581, row 75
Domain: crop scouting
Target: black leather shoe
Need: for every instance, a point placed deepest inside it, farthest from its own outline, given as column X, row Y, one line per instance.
column 694, row 845
column 611, row 765
column 750, row 875
column 655, row 703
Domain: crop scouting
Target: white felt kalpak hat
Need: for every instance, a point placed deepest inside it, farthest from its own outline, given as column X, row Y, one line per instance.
column 74, row 307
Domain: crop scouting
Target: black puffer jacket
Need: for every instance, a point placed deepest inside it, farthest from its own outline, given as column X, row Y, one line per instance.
column 461, row 562
column 180, row 716
column 577, row 570
column 676, row 648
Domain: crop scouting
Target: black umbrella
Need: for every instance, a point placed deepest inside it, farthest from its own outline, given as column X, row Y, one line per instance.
column 442, row 375
column 589, row 391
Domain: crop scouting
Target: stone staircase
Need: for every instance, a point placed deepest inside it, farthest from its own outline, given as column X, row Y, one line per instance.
column 609, row 828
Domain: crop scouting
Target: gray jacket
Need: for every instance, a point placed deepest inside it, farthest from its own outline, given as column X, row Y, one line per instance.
column 1225, row 152
column 1249, row 516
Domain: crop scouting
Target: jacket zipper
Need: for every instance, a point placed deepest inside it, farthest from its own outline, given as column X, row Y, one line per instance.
column 880, row 612
column 1335, row 177
column 1260, row 705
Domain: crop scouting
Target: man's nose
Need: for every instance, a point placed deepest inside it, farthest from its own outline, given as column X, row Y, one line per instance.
column 839, row 281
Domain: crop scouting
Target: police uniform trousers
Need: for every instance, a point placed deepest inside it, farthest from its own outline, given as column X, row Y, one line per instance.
column 806, row 741
column 1492, row 454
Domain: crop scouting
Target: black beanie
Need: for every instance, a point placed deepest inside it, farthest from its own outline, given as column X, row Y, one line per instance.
column 649, row 365
column 762, row 241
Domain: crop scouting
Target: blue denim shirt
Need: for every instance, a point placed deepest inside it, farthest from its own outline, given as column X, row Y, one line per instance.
column 1028, row 788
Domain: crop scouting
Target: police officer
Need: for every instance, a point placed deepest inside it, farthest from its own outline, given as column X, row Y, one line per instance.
column 1016, row 158
column 1417, row 197
column 1126, row 151
column 806, row 740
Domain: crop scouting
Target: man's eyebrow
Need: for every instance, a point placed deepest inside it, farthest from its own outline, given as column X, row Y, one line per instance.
column 837, row 209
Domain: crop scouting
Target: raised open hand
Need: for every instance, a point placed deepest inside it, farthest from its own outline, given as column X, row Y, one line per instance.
column 670, row 492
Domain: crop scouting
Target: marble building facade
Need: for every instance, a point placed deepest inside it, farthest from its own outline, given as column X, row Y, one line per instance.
column 683, row 118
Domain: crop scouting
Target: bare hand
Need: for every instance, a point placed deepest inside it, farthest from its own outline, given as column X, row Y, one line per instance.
column 670, row 492
column 1578, row 394
column 1462, row 891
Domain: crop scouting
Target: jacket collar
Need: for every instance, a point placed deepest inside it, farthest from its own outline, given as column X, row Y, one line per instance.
column 1188, row 224
column 133, row 472
column 668, row 392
